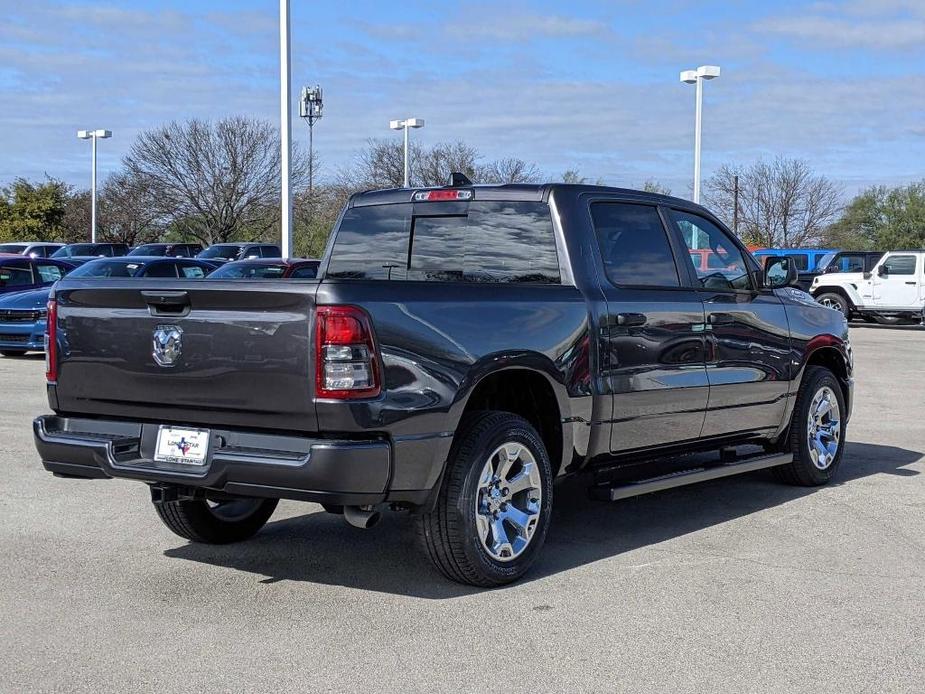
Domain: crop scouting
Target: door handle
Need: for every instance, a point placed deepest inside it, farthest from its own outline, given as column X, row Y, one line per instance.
column 912, row 283
column 721, row 318
column 631, row 319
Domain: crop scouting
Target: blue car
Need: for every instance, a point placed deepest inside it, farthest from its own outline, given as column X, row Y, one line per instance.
column 22, row 322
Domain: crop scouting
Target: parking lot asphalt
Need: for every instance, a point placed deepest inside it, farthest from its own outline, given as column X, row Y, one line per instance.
column 738, row 585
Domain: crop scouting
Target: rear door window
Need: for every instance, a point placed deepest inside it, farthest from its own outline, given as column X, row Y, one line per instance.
column 191, row 271
column 801, row 260
column 48, row 273
column 15, row 276
column 635, row 247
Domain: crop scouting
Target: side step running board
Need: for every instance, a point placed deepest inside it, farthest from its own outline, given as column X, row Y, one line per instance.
column 606, row 492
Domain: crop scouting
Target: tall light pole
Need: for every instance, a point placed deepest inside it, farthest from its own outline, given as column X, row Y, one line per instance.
column 704, row 72
column 285, row 131
column 405, row 125
column 310, row 108
column 93, row 136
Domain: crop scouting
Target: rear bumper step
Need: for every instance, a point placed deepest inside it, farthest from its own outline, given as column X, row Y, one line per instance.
column 624, row 490
column 238, row 463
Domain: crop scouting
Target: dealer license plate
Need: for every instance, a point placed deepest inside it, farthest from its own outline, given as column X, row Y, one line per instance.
column 182, row 446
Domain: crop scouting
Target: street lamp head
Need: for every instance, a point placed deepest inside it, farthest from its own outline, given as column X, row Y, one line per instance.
column 415, row 122
column 689, row 76
column 396, row 124
column 103, row 134
column 708, row 72
column 84, row 134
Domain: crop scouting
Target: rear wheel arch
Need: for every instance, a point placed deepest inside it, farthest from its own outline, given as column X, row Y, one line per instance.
column 528, row 393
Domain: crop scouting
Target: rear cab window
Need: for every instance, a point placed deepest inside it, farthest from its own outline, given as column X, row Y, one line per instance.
column 481, row 241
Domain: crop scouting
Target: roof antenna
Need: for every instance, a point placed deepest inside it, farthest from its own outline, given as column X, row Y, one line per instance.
column 458, row 179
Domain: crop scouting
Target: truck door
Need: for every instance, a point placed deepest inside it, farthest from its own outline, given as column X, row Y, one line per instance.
column 652, row 339
column 897, row 281
column 747, row 335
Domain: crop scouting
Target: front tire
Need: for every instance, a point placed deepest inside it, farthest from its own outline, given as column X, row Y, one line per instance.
column 12, row 352
column 835, row 301
column 817, row 431
column 216, row 523
column 494, row 506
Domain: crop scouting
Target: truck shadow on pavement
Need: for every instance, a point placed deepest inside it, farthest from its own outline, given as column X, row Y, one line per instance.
column 322, row 548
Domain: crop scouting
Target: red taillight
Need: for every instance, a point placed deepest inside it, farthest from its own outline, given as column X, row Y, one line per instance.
column 347, row 362
column 51, row 342
column 438, row 195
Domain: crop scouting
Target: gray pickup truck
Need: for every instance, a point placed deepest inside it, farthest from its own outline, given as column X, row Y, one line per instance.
column 461, row 349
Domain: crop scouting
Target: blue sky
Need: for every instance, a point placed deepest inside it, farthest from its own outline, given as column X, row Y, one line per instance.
column 584, row 85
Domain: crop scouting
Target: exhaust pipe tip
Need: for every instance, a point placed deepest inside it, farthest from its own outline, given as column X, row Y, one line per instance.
column 362, row 517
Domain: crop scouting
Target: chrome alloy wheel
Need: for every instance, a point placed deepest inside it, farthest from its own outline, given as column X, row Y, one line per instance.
column 823, row 428
column 828, row 303
column 508, row 502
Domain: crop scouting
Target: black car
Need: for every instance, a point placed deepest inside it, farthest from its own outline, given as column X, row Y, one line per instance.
column 33, row 249
column 268, row 269
column 139, row 266
column 99, row 250
column 461, row 349
column 175, row 250
column 225, row 252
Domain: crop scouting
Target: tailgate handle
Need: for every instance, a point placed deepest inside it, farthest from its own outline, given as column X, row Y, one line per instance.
column 167, row 303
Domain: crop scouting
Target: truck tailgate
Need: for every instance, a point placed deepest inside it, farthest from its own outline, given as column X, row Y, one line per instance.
column 244, row 351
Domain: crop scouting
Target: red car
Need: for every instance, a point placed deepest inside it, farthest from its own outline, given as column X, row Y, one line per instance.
column 267, row 269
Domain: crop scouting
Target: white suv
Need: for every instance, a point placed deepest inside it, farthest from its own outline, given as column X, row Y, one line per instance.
column 894, row 292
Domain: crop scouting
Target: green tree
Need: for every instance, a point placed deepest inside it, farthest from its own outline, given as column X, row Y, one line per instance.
column 33, row 211
column 882, row 218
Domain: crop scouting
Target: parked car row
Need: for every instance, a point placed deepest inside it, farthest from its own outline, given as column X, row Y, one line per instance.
column 82, row 252
column 25, row 284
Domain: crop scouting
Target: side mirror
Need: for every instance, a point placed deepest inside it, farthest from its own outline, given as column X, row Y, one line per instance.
column 882, row 271
column 830, row 269
column 780, row 272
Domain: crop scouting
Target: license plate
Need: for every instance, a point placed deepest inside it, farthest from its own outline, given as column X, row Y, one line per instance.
column 182, row 446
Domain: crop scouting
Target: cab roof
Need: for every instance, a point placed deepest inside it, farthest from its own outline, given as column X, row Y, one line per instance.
column 536, row 192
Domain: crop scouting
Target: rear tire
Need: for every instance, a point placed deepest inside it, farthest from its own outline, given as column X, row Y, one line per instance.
column 218, row 523
column 835, row 301
column 12, row 352
column 494, row 506
column 817, row 431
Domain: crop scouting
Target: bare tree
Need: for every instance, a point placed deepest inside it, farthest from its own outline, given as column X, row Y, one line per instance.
column 781, row 203
column 214, row 180
column 653, row 186
column 128, row 210
column 509, row 170
column 381, row 165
